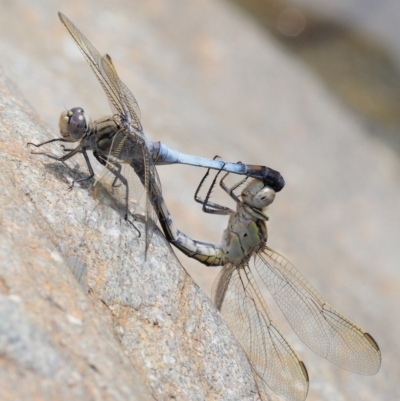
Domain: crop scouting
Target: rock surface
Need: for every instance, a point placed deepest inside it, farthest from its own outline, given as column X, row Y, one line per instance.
column 208, row 82
column 123, row 323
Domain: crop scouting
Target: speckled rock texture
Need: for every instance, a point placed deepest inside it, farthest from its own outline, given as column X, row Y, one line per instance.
column 83, row 315
column 208, row 82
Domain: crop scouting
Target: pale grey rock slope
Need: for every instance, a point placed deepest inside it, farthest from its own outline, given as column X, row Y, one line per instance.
column 208, row 82
column 83, row 315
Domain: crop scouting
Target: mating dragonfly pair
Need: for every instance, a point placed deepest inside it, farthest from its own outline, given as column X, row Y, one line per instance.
column 119, row 139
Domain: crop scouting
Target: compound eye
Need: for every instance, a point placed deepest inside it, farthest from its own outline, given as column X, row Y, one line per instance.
column 63, row 123
column 263, row 198
column 76, row 110
column 73, row 124
column 77, row 126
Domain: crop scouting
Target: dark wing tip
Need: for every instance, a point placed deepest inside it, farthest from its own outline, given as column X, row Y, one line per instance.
column 374, row 345
column 305, row 373
column 372, row 342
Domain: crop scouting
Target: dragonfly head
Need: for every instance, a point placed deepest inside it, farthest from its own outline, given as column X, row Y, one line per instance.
column 258, row 195
column 73, row 125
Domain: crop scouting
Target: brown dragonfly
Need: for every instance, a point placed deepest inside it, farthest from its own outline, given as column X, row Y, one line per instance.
column 246, row 260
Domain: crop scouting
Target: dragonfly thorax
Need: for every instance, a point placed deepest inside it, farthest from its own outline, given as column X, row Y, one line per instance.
column 244, row 236
column 105, row 130
column 73, row 124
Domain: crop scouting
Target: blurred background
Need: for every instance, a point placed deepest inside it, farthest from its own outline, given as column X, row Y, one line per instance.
column 353, row 45
column 308, row 87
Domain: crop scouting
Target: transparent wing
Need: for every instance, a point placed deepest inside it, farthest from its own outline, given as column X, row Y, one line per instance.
column 131, row 149
column 129, row 141
column 134, row 196
column 152, row 185
column 238, row 297
column 125, row 95
column 143, row 166
column 121, row 99
column 138, row 177
column 321, row 327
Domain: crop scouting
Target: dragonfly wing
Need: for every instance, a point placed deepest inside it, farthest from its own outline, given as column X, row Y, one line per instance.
column 149, row 203
column 120, row 97
column 131, row 192
column 94, row 58
column 132, row 138
column 127, row 111
column 152, row 186
column 143, row 166
column 321, row 327
column 127, row 99
column 274, row 362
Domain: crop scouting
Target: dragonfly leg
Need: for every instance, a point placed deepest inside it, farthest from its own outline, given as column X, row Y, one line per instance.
column 115, row 168
column 118, row 176
column 91, row 172
column 230, row 191
column 64, row 149
column 118, row 166
column 208, row 206
column 197, row 198
column 46, row 142
column 71, row 152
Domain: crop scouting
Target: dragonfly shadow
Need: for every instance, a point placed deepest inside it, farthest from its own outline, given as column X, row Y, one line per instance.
column 101, row 213
column 61, row 171
column 106, row 194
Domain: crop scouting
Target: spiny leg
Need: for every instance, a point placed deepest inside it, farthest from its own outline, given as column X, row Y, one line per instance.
column 46, row 142
column 91, row 172
column 64, row 149
column 230, row 191
column 115, row 169
column 208, row 206
column 71, row 152
column 197, row 198
column 104, row 161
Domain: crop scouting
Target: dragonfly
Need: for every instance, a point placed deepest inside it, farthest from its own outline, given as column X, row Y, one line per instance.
column 246, row 258
column 119, row 139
